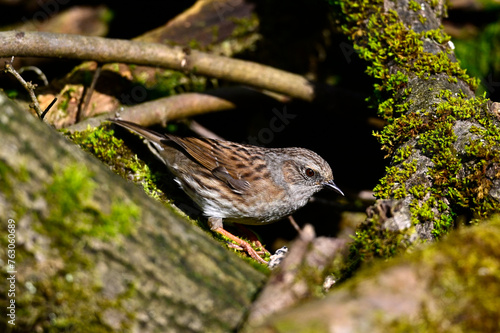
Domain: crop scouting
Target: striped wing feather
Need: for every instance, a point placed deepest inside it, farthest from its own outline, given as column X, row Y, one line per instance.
column 218, row 160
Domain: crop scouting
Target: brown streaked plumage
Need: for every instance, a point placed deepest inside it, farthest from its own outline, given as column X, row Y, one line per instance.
column 240, row 183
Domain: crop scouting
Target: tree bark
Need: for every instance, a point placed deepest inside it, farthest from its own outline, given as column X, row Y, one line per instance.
column 452, row 286
column 94, row 253
column 444, row 142
column 163, row 110
column 106, row 50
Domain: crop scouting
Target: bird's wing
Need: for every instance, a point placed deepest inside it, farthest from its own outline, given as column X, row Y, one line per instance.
column 217, row 156
column 220, row 157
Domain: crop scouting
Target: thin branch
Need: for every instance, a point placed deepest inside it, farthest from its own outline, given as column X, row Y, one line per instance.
column 106, row 50
column 38, row 71
column 202, row 131
column 163, row 110
column 294, row 224
column 436, row 172
column 87, row 93
column 30, row 87
column 48, row 107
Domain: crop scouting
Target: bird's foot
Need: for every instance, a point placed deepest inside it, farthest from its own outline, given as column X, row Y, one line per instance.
column 244, row 245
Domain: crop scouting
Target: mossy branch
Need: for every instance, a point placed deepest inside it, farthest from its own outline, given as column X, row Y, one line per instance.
column 444, row 142
column 449, row 287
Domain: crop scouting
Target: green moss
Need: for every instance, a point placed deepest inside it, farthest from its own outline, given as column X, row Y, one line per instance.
column 402, row 153
column 78, row 215
column 413, row 5
column 12, row 93
column 169, row 82
column 433, row 3
column 457, row 186
column 69, row 303
column 10, row 182
column 464, row 282
column 100, row 142
column 105, row 146
column 423, row 211
column 304, row 326
column 194, row 44
column 393, row 183
column 6, row 185
column 418, row 191
column 436, row 138
column 62, row 298
column 75, row 218
column 115, row 67
column 372, row 241
column 244, row 26
column 66, row 98
column 386, row 40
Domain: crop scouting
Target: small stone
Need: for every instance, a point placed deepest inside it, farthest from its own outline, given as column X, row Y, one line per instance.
column 277, row 257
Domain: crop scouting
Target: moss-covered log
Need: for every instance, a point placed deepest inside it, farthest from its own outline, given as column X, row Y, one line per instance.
column 443, row 141
column 452, row 286
column 94, row 253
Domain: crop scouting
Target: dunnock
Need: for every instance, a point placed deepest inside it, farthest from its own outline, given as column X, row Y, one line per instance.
column 237, row 182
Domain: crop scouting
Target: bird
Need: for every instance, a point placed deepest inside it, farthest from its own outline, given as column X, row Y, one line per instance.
column 239, row 183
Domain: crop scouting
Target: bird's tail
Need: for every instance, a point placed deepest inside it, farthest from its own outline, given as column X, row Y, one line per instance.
column 142, row 131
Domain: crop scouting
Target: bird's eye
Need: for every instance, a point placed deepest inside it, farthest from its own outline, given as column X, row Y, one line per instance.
column 310, row 172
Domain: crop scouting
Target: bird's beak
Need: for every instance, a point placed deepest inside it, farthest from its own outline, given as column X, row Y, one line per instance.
column 331, row 185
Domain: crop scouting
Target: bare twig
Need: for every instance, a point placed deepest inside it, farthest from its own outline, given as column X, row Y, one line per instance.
column 37, row 70
column 294, row 224
column 161, row 110
column 87, row 93
column 201, row 130
column 177, row 107
column 30, row 87
column 48, row 108
column 105, row 50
